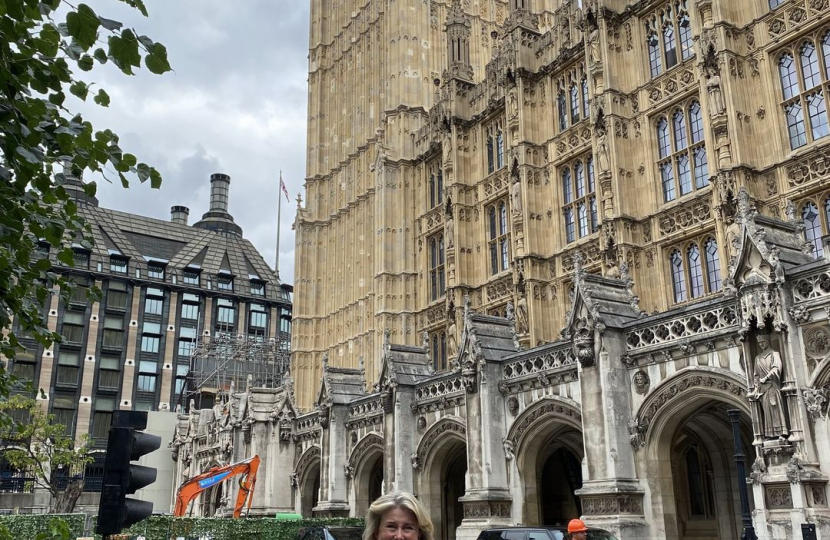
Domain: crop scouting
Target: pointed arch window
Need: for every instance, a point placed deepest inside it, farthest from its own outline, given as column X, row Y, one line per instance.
column 825, row 53
column 654, row 62
column 809, row 66
column 789, row 79
column 437, row 283
column 670, row 46
column 687, row 49
column 678, row 276
column 812, row 227
column 562, row 110
column 712, row 265
column 575, row 104
column 436, row 184
column 680, row 162
column 499, row 241
column 585, row 109
column 695, row 271
column 579, row 204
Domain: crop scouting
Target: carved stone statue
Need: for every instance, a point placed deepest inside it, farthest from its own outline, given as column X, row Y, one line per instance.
column 512, row 105
column 521, row 315
column 716, row 104
column 452, row 342
column 733, row 239
column 508, row 449
column 449, row 233
column 603, row 162
column 593, row 44
column 768, row 374
column 516, row 196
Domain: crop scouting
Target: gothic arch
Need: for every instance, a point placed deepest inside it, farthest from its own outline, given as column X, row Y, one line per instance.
column 821, row 374
column 434, row 438
column 546, row 439
column 307, row 478
column 366, row 470
column 669, row 399
column 306, row 462
column 367, row 445
column 545, row 411
column 691, row 405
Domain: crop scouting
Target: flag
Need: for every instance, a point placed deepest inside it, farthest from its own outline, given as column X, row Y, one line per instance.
column 284, row 190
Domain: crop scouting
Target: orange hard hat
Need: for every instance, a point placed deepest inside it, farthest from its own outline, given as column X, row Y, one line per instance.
column 576, row 525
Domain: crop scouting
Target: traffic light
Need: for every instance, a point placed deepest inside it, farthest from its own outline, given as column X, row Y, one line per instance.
column 126, row 443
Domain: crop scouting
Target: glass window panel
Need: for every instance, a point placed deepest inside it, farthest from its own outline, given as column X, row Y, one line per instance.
column 118, row 286
column 591, row 181
column 73, row 317
column 500, row 150
column 582, row 212
column 155, row 271
column 116, row 299
column 147, row 366
column 826, row 216
column 567, row 189
column 825, row 52
column 109, row 362
column 494, row 258
column 257, row 288
column 186, row 346
column 594, row 223
column 69, row 358
column 147, row 383
column 663, row 142
column 113, row 338
column 192, row 298
column 701, row 168
column 654, row 55
column 575, row 104
column 818, row 115
column 491, row 162
column 678, row 277
column 579, row 171
column 505, row 257
column 809, row 66
column 696, row 120
column 493, row 223
column 152, row 328
column 812, row 228
column 795, row 125
column 225, row 283
column 667, row 176
column 687, row 49
column 258, row 319
column 789, row 79
column 439, row 189
column 569, row 224
column 190, row 311
column 149, row 344
column 432, row 191
column 684, row 174
column 562, row 109
column 502, row 219
column 118, row 265
column 153, row 306
column 713, row 265
column 679, row 121
column 155, row 292
column 585, row 108
column 695, row 271
column 670, row 45
column 190, row 277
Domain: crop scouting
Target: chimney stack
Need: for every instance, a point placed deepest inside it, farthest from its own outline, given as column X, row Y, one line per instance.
column 219, row 187
column 179, row 214
column 217, row 217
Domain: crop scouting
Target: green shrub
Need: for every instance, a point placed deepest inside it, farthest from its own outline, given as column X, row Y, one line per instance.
column 26, row 526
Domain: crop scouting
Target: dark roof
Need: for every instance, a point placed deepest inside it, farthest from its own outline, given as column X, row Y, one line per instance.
column 405, row 365
column 340, row 386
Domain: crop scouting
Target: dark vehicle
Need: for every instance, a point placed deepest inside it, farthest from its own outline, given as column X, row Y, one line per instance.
column 541, row 533
column 324, row 532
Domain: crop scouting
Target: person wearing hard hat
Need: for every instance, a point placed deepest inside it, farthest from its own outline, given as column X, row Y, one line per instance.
column 577, row 530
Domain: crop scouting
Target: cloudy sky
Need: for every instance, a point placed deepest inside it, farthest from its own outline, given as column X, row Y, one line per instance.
column 235, row 103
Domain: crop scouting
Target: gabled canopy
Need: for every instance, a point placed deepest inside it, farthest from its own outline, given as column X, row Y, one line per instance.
column 404, row 365
column 339, row 385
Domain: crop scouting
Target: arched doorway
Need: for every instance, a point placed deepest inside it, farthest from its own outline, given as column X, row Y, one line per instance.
column 308, row 481
column 453, row 487
column 547, row 437
column 442, row 455
column 690, row 454
column 368, row 480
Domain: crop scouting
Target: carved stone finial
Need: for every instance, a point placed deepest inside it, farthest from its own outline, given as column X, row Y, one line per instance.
column 386, row 335
column 425, row 340
column 510, row 315
column 249, row 383
column 467, row 308
column 579, row 272
column 790, row 211
column 325, row 361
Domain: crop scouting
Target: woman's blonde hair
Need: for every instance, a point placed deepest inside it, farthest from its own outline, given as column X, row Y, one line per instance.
column 397, row 499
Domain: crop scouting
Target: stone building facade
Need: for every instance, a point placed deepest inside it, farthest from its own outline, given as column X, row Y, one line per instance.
column 546, row 245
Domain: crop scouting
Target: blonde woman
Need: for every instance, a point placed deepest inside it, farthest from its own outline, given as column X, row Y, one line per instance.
column 397, row 516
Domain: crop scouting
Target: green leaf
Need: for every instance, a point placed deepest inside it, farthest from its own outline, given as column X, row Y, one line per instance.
column 156, row 61
column 86, row 63
column 100, row 55
column 56, row 98
column 79, row 89
column 102, row 99
column 49, row 41
column 155, row 179
column 90, row 189
column 3, row 9
column 143, row 172
column 110, row 24
column 123, row 50
column 83, row 26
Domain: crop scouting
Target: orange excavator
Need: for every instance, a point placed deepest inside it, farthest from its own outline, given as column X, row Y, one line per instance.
column 193, row 487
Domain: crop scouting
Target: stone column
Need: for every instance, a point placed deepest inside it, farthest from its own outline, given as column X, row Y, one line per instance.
column 487, row 501
column 88, row 376
column 170, row 349
column 333, row 482
column 401, row 441
column 126, row 402
column 611, row 495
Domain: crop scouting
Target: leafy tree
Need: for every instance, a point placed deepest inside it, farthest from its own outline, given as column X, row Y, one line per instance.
column 36, row 444
column 41, row 52
column 39, row 135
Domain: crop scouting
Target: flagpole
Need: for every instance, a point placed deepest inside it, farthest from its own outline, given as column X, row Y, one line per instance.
column 279, row 209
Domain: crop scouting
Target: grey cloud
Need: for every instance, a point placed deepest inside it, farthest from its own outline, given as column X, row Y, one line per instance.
column 235, row 104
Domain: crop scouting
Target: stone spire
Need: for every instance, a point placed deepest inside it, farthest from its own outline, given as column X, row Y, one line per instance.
column 458, row 44
column 521, row 15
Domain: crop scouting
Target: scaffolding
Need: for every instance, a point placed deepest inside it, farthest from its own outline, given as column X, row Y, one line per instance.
column 226, row 361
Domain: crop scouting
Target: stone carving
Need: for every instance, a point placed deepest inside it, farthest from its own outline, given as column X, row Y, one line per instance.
column 817, row 341
column 449, row 226
column 348, row 471
column 521, row 315
column 734, row 237
column 512, row 406
column 295, row 480
column 768, row 375
column 800, row 314
column 636, row 433
column 641, row 382
column 759, row 468
column 452, row 341
column 508, row 449
column 516, row 192
column 717, row 107
column 436, row 433
column 416, row 462
column 603, row 161
column 544, row 409
column 612, row 504
column 594, row 56
column 583, row 340
column 816, row 401
column 323, row 412
column 779, row 497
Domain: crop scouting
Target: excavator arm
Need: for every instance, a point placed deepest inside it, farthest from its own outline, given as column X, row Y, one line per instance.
column 191, row 489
